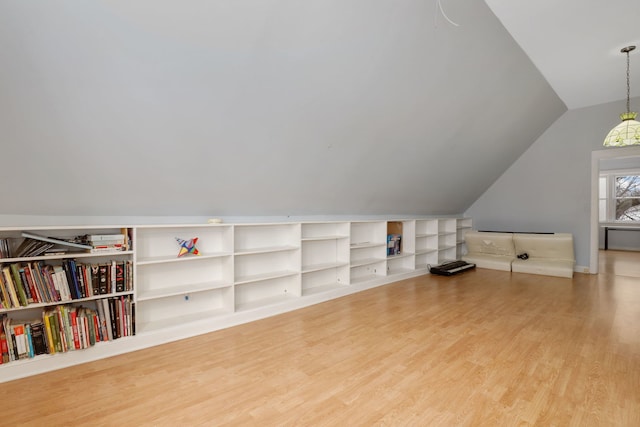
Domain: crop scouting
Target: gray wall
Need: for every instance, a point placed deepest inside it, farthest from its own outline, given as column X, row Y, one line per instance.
column 548, row 189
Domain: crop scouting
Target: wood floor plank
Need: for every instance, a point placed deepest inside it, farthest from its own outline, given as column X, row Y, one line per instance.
column 485, row 348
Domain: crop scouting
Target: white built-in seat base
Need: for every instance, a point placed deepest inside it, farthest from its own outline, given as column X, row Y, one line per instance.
column 494, row 262
column 548, row 254
column 544, row 266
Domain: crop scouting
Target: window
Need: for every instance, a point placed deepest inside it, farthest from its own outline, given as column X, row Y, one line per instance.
column 602, row 199
column 619, row 196
column 627, row 198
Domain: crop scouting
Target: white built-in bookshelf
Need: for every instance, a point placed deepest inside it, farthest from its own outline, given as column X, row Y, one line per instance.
column 462, row 226
column 447, row 232
column 243, row 272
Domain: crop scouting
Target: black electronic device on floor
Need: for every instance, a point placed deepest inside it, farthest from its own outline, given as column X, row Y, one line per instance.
column 449, row 268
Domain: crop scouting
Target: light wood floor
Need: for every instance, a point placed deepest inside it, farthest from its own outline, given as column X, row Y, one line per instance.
column 485, row 348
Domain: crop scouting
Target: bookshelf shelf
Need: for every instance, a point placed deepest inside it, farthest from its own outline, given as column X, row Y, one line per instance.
column 423, row 236
column 41, row 305
column 333, row 237
column 164, row 259
column 264, row 276
column 366, row 261
column 257, row 251
column 365, row 245
column 180, row 321
column 325, row 266
column 244, row 272
column 182, row 290
column 400, row 255
column 71, row 255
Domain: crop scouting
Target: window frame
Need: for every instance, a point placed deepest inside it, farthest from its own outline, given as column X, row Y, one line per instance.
column 611, row 198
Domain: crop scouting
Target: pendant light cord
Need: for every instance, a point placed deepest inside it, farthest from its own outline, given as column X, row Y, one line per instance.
column 628, row 85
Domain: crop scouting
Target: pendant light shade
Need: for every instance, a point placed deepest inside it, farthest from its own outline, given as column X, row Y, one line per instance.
column 627, row 132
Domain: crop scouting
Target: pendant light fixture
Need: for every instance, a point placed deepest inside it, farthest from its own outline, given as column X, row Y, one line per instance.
column 627, row 132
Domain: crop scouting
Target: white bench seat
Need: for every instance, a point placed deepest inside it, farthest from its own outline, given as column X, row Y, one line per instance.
column 547, row 254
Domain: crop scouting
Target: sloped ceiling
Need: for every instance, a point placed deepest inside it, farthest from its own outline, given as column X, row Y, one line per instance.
column 576, row 45
column 273, row 107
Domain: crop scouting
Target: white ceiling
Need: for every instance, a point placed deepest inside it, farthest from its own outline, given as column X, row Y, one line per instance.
column 576, row 44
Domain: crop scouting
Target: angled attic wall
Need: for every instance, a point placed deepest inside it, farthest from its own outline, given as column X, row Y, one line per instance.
column 260, row 108
column 548, row 189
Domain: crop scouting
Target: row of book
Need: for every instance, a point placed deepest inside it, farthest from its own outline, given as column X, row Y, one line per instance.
column 65, row 328
column 35, row 282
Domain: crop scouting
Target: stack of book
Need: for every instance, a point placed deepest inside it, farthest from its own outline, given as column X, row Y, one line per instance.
column 35, row 245
column 105, row 242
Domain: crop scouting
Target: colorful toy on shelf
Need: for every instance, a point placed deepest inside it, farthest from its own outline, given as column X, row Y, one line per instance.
column 188, row 246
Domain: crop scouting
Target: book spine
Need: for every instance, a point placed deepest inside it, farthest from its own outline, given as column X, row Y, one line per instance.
column 13, row 347
column 21, row 343
column 4, row 348
column 48, row 274
column 107, row 316
column 11, row 287
column 81, row 320
column 104, row 278
column 22, row 295
column 86, row 278
column 29, row 339
column 58, row 328
column 46, row 316
column 91, row 327
column 66, row 337
column 114, row 318
column 112, row 275
column 35, row 295
column 105, row 237
column 68, row 266
column 39, row 338
column 40, row 282
column 123, row 318
column 6, row 298
column 86, row 330
column 61, row 283
column 102, row 323
column 80, row 280
column 120, row 276
column 129, row 275
column 74, row 328
column 56, row 332
column 25, row 284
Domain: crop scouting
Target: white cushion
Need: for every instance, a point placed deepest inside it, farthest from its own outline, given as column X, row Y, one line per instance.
column 479, row 242
column 553, row 246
